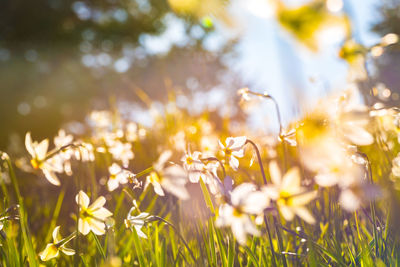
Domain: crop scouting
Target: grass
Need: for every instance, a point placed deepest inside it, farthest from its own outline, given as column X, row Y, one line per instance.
column 184, row 232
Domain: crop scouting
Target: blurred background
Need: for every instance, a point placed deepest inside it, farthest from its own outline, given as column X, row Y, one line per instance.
column 61, row 59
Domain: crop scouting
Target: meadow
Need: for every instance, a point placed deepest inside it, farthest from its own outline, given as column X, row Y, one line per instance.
column 190, row 184
column 188, row 192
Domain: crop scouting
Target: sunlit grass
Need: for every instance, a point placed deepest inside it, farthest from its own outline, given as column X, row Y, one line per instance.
column 189, row 192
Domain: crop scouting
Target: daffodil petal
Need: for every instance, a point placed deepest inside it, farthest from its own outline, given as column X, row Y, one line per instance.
column 98, row 203
column 304, row 214
column 83, row 226
column 41, row 149
column 97, row 227
column 291, row 180
column 101, row 213
column 67, row 251
column 28, row 144
column 56, row 234
column 82, row 199
column 49, row 252
column 51, row 177
column 275, row 172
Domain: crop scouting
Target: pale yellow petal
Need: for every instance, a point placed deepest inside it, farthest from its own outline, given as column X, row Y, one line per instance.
column 97, row 227
column 139, row 232
column 275, row 172
column 67, row 251
column 83, row 226
column 41, row 149
column 98, row 203
column 291, row 180
column 56, row 234
column 101, row 213
column 303, row 199
column 82, row 199
column 157, row 189
column 28, row 144
column 304, row 214
column 51, row 177
column 49, row 252
column 239, row 231
column 286, row 212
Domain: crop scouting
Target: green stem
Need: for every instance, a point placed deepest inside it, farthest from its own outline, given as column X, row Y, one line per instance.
column 99, row 247
column 144, row 172
column 248, row 141
column 179, row 235
column 23, row 220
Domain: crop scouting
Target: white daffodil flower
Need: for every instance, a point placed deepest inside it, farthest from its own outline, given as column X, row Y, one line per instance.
column 118, row 176
column 289, row 195
column 122, row 151
column 38, row 152
column 91, row 218
column 352, row 118
column 171, row 178
column 210, row 177
column 233, row 149
column 61, row 140
column 84, row 152
column 245, row 200
column 137, row 222
column 52, row 249
column 193, row 165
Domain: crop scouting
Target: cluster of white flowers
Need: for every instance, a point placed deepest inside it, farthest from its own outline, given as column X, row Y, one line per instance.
column 57, row 160
column 328, row 140
column 91, row 218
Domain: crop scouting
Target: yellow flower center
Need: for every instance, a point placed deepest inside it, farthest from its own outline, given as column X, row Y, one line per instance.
column 85, row 213
column 154, row 178
column 285, row 198
column 228, row 152
column 36, row 164
column 237, row 212
column 189, row 160
column 312, row 127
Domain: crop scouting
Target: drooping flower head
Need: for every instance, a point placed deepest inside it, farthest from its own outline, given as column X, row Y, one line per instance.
column 169, row 177
column 193, row 165
column 137, row 221
column 119, row 176
column 52, row 249
column 233, row 149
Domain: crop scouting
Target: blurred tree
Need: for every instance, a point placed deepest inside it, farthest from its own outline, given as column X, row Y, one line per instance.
column 386, row 76
column 54, row 22
column 59, row 59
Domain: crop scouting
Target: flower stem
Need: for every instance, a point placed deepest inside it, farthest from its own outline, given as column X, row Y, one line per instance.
column 248, row 141
column 278, row 113
column 144, row 172
column 56, row 151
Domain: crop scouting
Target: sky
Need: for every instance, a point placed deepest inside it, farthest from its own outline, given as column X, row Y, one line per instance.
column 269, row 59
